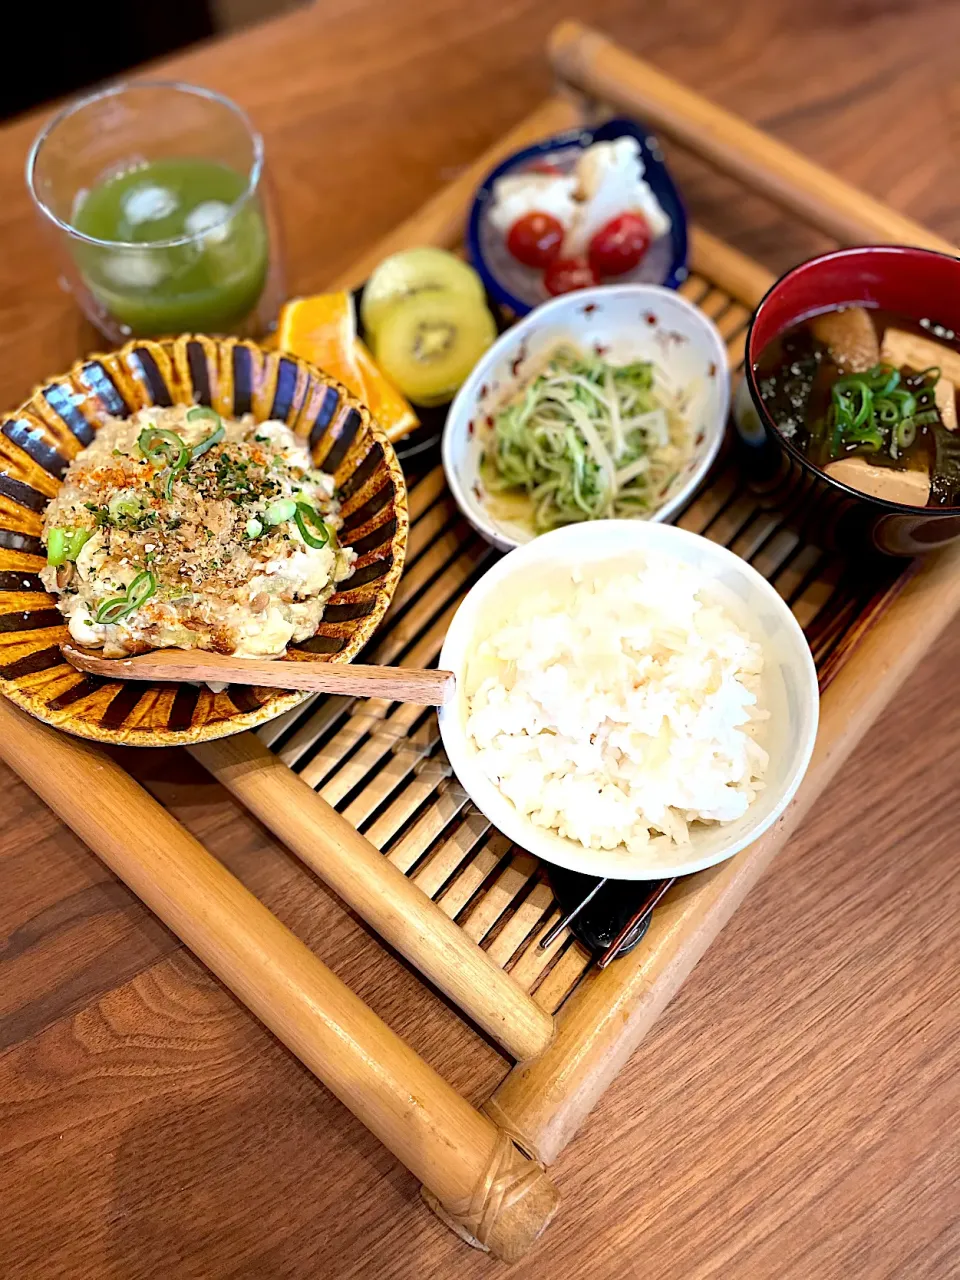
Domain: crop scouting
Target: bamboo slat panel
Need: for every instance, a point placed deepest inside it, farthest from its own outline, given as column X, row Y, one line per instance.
column 382, row 765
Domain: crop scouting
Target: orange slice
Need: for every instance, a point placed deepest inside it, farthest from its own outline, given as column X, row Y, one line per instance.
column 382, row 398
column 323, row 330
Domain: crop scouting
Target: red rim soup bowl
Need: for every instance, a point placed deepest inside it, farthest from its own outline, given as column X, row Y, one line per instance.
column 916, row 282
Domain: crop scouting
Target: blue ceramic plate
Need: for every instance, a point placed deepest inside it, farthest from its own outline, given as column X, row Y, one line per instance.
column 510, row 284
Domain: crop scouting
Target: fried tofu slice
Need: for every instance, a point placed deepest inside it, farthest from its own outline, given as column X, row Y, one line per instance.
column 945, row 394
column 911, row 350
column 909, row 487
column 849, row 336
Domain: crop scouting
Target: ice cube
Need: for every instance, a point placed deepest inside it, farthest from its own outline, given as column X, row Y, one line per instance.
column 211, row 219
column 148, row 203
column 134, row 269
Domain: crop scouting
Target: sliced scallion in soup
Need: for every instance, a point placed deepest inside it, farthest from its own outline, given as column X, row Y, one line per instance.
column 870, row 397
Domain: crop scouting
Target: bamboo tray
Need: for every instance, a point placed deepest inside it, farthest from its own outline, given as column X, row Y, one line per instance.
column 362, row 792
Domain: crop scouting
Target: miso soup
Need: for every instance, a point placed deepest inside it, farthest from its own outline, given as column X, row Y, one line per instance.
column 870, row 397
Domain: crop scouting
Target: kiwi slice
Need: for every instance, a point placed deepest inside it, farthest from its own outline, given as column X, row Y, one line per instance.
column 414, row 271
column 428, row 344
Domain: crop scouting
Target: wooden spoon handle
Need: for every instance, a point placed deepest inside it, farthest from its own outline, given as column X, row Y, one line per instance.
column 399, row 684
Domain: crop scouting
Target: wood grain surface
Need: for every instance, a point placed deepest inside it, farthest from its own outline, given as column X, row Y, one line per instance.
column 794, row 1112
column 355, row 679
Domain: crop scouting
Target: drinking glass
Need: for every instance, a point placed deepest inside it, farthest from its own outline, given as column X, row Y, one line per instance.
column 155, row 196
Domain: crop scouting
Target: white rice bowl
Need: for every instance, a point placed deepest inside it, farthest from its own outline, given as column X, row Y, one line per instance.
column 632, row 700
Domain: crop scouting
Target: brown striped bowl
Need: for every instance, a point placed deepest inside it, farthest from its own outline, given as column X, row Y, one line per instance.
column 40, row 438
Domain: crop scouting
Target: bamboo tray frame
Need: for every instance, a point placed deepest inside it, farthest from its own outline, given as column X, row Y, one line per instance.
column 428, row 873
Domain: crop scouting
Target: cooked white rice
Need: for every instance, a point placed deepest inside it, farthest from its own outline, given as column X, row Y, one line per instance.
column 618, row 712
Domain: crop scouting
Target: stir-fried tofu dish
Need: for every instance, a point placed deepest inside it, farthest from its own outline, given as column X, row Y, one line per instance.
column 178, row 529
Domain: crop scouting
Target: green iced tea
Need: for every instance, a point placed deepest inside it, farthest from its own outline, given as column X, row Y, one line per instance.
column 185, row 255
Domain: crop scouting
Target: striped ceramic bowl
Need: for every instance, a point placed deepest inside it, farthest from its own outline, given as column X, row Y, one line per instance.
column 40, row 438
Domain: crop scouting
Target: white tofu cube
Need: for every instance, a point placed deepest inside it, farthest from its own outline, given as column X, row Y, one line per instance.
column 909, row 487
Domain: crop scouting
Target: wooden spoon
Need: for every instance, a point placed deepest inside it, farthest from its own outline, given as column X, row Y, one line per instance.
column 398, row 684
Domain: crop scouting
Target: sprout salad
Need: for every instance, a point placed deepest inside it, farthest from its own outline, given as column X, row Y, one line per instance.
column 588, row 440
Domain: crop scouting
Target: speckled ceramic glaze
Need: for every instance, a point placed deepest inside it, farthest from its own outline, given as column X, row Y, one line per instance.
column 38, row 441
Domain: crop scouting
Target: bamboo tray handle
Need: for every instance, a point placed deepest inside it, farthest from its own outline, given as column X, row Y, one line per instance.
column 498, row 1197
column 590, row 62
column 378, row 891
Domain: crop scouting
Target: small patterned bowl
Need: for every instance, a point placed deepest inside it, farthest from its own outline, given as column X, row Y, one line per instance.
column 38, row 440
column 518, row 288
column 623, row 322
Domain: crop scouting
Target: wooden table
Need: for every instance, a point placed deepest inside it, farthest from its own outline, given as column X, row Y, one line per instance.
column 794, row 1113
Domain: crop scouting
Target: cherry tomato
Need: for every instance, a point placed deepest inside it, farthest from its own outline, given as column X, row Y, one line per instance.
column 545, row 166
column 619, row 245
column 566, row 274
column 535, row 239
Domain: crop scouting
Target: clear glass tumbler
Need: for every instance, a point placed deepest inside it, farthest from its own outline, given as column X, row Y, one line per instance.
column 156, row 197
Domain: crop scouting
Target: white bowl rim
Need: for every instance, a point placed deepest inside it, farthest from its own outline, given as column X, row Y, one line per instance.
column 465, row 397
column 502, row 813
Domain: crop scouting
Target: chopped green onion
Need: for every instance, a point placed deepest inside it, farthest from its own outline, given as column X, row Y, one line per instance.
column 215, row 436
column 112, row 610
column 879, row 408
column 254, row 527
column 76, row 541
column 66, row 544
column 866, row 405
column 902, row 396
column 123, row 506
column 141, row 588
column 208, row 442
column 56, row 547
column 926, row 418
column 304, row 515
column 868, row 439
column 278, row 512
column 139, row 591
column 906, row 433
column 163, row 446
